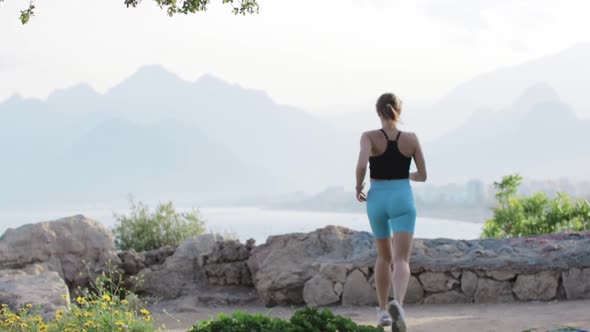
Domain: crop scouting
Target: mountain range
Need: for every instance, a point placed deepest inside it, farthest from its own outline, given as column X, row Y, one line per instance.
column 157, row 136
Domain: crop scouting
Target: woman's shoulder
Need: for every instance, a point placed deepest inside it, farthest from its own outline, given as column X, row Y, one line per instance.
column 371, row 133
column 410, row 135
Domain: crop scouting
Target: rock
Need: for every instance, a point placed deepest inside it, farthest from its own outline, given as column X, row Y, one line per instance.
column 437, row 281
column 365, row 271
column 157, row 256
column 415, row 291
column 131, row 262
column 468, row 283
column 447, row 298
column 224, row 274
column 513, row 255
column 227, row 252
column 338, row 288
column 501, row 275
column 76, row 248
column 539, row 286
column 492, row 291
column 319, row 291
column 250, row 244
column 358, row 291
column 282, row 265
column 334, row 272
column 180, row 272
column 43, row 289
column 577, row 283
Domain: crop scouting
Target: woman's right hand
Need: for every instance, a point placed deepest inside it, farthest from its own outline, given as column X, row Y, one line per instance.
column 360, row 195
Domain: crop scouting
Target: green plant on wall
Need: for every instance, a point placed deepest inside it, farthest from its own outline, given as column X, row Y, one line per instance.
column 517, row 216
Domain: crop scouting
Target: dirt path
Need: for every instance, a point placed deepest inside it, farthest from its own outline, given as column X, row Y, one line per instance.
column 428, row 318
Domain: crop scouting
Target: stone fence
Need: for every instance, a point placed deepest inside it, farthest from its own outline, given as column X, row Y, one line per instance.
column 329, row 266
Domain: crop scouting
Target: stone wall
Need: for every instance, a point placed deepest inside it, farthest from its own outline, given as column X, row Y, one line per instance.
column 334, row 265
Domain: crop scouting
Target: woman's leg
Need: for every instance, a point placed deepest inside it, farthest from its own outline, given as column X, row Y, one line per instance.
column 383, row 271
column 402, row 249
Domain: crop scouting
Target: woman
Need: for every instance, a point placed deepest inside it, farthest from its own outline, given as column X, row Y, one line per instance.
column 390, row 204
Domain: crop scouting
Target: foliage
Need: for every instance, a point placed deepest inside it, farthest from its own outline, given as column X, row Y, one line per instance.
column 537, row 214
column 172, row 7
column 144, row 229
column 304, row 320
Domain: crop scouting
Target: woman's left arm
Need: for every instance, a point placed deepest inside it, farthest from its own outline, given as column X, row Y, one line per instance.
column 361, row 166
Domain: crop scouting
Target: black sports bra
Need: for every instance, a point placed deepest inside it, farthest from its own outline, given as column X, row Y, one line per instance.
column 391, row 164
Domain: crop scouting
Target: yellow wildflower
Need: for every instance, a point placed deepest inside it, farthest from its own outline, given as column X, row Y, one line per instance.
column 124, row 302
column 106, row 297
column 144, row 311
column 89, row 323
column 120, row 323
column 80, row 300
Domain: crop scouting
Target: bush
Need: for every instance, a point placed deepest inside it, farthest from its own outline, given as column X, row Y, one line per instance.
column 537, row 214
column 304, row 320
column 144, row 229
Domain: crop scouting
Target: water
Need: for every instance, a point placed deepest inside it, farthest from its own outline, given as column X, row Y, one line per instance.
column 259, row 223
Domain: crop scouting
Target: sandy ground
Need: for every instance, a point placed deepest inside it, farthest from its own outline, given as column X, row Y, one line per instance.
column 428, row 318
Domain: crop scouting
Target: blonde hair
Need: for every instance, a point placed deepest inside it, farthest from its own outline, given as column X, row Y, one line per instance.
column 389, row 107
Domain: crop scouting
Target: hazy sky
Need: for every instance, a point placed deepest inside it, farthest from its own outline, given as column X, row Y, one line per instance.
column 308, row 53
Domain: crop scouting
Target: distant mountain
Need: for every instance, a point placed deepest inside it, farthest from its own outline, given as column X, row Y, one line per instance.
column 157, row 135
column 539, row 136
column 567, row 72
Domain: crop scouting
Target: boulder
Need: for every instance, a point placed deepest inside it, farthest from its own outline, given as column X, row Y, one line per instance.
column 415, row 291
column 468, row 283
column 338, row 288
column 228, row 274
column 334, row 272
column 319, row 291
column 437, row 281
column 180, row 272
column 131, row 262
column 539, row 286
column 76, row 248
column 157, row 256
column 227, row 252
column 36, row 286
column 492, row 291
column 358, row 290
column 577, row 283
column 501, row 275
column 281, row 267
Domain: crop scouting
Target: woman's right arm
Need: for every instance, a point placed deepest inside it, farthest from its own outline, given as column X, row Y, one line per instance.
column 420, row 175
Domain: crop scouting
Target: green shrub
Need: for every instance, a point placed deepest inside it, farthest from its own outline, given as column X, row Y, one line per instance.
column 144, row 229
column 304, row 320
column 534, row 215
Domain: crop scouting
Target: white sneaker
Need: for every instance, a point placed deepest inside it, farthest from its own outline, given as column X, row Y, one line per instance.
column 399, row 317
column 383, row 318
